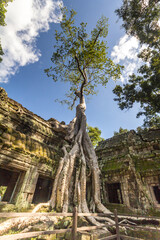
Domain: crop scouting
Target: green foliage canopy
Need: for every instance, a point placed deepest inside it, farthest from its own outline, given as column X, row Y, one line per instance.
column 3, row 5
column 2, row 12
column 141, row 20
column 95, row 135
column 81, row 59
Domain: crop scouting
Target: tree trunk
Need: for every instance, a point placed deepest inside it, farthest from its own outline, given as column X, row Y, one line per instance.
column 70, row 181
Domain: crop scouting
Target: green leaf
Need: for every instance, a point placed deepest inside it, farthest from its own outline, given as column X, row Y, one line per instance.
column 81, row 58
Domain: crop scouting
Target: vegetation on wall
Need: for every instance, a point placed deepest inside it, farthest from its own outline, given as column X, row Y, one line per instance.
column 121, row 131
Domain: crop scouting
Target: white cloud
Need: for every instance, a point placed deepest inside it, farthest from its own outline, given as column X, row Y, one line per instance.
column 125, row 53
column 25, row 20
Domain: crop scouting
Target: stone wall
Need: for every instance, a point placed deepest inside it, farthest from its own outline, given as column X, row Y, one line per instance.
column 30, row 150
column 29, row 145
column 133, row 161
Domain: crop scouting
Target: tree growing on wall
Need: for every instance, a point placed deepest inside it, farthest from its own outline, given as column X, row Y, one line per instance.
column 141, row 19
column 81, row 60
column 121, row 131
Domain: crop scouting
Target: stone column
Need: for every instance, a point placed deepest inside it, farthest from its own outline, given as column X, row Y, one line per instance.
column 26, row 193
column 124, row 189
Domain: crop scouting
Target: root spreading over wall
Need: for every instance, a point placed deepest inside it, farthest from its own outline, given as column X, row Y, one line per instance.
column 69, row 188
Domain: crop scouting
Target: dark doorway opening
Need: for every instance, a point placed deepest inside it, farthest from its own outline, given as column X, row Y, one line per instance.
column 89, row 191
column 8, row 184
column 43, row 190
column 114, row 193
column 156, row 190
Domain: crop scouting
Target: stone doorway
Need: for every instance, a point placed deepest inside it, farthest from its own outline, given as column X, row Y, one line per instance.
column 43, row 190
column 8, row 184
column 114, row 193
column 156, row 193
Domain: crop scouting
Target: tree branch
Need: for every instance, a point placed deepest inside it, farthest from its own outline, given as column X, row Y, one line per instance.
column 97, row 36
column 74, row 100
column 84, row 75
column 79, row 68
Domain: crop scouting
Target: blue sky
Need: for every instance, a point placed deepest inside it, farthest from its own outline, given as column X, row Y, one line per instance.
column 28, row 41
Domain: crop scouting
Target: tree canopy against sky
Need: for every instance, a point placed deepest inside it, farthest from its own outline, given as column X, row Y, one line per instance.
column 82, row 60
column 27, row 40
column 141, row 19
column 95, row 135
column 3, row 5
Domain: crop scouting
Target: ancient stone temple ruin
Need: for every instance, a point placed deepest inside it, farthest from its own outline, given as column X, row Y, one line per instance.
column 130, row 166
column 31, row 147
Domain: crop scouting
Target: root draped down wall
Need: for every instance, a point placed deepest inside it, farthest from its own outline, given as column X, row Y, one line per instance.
column 70, row 179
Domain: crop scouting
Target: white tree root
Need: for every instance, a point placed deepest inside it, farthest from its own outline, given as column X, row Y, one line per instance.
column 39, row 206
column 23, row 222
column 83, row 152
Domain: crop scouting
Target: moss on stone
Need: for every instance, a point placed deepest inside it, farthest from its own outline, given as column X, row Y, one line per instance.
column 144, row 165
column 121, row 208
column 113, row 165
